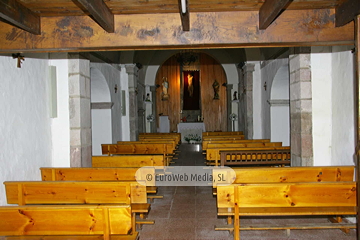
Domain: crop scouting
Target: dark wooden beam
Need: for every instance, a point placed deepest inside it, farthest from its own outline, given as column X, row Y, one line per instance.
column 346, row 12
column 19, row 16
column 236, row 29
column 270, row 10
column 100, row 13
column 185, row 17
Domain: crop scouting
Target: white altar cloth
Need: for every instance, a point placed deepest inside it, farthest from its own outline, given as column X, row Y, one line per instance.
column 187, row 128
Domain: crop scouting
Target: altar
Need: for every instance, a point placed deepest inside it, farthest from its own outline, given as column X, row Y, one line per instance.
column 186, row 128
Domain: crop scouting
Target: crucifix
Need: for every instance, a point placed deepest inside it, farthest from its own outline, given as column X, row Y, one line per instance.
column 19, row 59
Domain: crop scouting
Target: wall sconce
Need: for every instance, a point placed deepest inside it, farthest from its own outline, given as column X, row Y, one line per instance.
column 116, row 88
column 19, row 57
column 265, row 86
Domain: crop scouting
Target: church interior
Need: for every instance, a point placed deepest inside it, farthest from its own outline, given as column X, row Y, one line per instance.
column 75, row 93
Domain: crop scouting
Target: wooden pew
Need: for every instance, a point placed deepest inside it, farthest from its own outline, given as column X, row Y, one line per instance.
column 103, row 174
column 286, row 200
column 280, row 156
column 226, row 141
column 156, row 161
column 139, row 149
column 213, row 150
column 61, row 222
column 76, row 192
column 170, row 141
column 244, row 175
column 222, row 133
column 231, row 137
column 176, row 136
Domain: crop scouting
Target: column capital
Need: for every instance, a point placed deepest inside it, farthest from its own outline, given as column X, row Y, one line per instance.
column 153, row 88
column 249, row 67
column 130, row 68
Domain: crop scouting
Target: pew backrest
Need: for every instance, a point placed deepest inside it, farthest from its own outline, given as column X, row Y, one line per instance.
column 67, row 220
column 118, row 161
column 239, row 141
column 99, row 174
column 151, row 148
column 222, row 133
column 75, row 192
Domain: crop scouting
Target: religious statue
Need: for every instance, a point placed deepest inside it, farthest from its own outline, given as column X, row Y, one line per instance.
column 165, row 84
column 235, row 95
column 147, row 99
column 216, row 87
column 190, row 85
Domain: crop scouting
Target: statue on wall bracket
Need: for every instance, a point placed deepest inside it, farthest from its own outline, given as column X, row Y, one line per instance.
column 165, row 88
column 216, row 87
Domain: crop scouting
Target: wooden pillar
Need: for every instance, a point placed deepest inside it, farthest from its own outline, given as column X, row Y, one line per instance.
column 357, row 112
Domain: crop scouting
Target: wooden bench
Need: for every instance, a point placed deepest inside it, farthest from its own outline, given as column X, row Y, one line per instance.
column 222, row 133
column 139, row 149
column 226, row 141
column 244, row 175
column 104, row 174
column 231, row 137
column 213, row 150
column 75, row 222
column 76, row 192
column 169, row 141
column 156, row 161
column 265, row 156
column 286, row 200
column 176, row 136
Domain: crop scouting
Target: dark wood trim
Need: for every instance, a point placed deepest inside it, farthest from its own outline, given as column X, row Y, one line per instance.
column 270, row 10
column 357, row 114
column 100, row 12
column 346, row 12
column 19, row 16
column 185, row 17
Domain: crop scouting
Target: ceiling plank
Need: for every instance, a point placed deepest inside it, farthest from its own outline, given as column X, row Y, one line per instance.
column 270, row 10
column 100, row 12
column 20, row 16
column 163, row 31
column 346, row 12
column 185, row 17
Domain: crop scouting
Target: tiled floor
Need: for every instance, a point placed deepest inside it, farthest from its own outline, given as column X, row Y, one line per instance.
column 190, row 213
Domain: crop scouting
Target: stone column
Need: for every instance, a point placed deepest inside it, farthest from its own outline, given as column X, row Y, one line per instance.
column 153, row 108
column 79, row 111
column 301, row 107
column 248, row 70
column 133, row 108
column 229, row 106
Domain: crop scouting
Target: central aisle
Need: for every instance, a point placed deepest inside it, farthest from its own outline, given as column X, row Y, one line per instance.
column 190, row 213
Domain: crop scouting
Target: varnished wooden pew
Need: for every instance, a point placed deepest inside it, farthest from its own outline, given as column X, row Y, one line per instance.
column 104, row 174
column 287, row 200
column 223, row 137
column 213, row 150
column 226, row 141
column 244, row 175
column 176, row 136
column 156, row 161
column 76, row 192
column 139, row 149
column 222, row 133
column 65, row 222
column 169, row 141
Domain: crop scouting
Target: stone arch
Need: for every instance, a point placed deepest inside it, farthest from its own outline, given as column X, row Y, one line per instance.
column 100, row 111
column 280, row 106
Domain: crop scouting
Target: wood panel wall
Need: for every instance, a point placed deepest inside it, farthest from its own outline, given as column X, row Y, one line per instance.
column 171, row 107
column 213, row 111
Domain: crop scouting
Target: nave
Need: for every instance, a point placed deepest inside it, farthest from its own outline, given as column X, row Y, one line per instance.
column 190, row 213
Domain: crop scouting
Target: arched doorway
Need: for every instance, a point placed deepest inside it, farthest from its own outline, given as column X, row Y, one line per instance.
column 100, row 111
column 279, row 107
column 212, row 95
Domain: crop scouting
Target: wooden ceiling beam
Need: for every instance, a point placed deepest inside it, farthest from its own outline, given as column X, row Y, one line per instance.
column 100, row 13
column 184, row 16
column 346, row 12
column 163, row 31
column 270, row 10
column 19, row 16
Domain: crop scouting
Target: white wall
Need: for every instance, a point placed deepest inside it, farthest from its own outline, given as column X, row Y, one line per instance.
column 333, row 106
column 25, row 125
column 343, row 116
column 257, row 114
column 60, row 125
column 100, row 118
column 125, row 120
